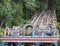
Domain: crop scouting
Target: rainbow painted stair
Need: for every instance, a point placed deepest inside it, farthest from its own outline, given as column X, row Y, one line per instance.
column 41, row 31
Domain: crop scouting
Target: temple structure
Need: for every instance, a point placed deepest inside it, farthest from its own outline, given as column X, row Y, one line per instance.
column 41, row 31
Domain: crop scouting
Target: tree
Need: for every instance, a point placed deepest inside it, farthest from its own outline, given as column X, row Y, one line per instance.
column 58, row 10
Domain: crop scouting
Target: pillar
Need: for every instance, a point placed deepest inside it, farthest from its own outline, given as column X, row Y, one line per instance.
column 37, row 44
column 54, row 33
column 11, row 44
column 51, row 44
column 56, row 44
column 18, row 44
column 3, row 43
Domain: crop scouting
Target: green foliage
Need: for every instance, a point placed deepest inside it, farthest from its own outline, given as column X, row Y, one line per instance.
column 1, row 30
column 30, row 7
column 18, row 12
column 1, row 9
column 58, row 9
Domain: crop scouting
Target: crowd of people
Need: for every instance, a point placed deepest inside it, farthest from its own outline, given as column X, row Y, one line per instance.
column 44, row 27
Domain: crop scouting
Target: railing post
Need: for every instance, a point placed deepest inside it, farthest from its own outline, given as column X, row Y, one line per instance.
column 33, row 34
column 42, row 33
column 54, row 33
column 5, row 33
